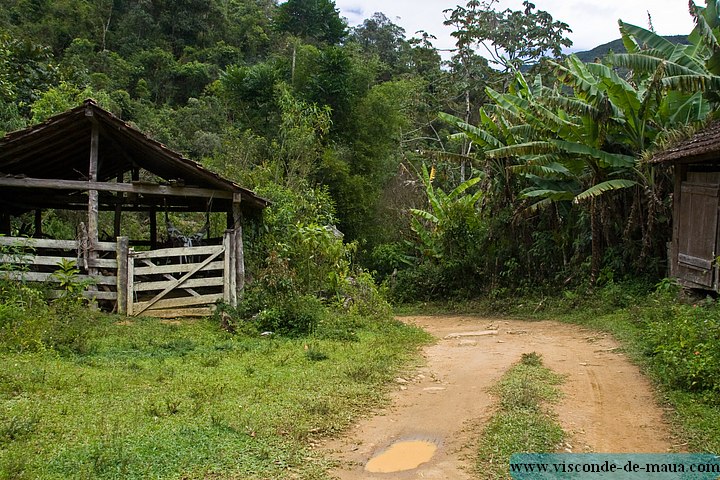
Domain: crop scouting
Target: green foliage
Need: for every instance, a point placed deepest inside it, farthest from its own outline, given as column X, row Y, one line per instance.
column 67, row 277
column 28, row 323
column 313, row 20
column 188, row 400
column 66, row 96
column 450, row 218
column 512, row 38
column 26, row 70
column 684, row 341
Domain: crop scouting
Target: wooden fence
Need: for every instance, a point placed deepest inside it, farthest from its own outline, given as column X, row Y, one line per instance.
column 165, row 283
column 38, row 260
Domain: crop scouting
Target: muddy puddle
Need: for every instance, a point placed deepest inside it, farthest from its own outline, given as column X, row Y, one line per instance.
column 402, row 456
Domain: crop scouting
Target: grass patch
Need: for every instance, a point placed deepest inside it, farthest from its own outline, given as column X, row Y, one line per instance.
column 157, row 400
column 674, row 338
column 523, row 421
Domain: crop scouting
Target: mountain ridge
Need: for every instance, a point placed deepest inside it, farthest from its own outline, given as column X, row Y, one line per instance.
column 618, row 47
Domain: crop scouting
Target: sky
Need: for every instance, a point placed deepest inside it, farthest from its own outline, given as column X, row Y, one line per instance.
column 592, row 22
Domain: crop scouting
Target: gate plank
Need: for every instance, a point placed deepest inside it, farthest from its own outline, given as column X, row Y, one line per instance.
column 181, row 312
column 183, row 302
column 180, row 251
column 184, row 278
column 190, row 283
column 151, row 269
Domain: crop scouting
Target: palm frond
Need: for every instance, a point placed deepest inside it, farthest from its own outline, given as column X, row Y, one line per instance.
column 425, row 215
column 529, row 148
column 476, row 134
column 643, row 62
column 551, row 170
column 606, row 159
column 460, row 189
column 606, row 186
column 643, row 37
column 692, row 83
column 552, row 195
column 447, row 156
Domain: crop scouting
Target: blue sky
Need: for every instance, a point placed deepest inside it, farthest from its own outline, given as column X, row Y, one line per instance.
column 593, row 23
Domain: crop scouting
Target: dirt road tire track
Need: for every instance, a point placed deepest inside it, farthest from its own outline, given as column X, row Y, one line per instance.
column 608, row 405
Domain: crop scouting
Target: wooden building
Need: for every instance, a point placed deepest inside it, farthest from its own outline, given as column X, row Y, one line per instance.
column 88, row 160
column 696, row 204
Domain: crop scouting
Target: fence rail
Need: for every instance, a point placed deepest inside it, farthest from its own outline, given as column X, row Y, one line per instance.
column 38, row 259
column 165, row 283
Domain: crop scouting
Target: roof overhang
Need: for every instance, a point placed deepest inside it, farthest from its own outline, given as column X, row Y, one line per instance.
column 50, row 160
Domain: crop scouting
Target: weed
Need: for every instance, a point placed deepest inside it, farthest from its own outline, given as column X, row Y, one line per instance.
column 17, row 427
column 210, row 361
column 314, row 354
column 532, row 359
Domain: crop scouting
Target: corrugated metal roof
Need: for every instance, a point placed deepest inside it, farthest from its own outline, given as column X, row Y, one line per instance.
column 59, row 148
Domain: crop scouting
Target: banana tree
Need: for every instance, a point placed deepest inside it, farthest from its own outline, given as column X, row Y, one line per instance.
column 577, row 148
column 430, row 225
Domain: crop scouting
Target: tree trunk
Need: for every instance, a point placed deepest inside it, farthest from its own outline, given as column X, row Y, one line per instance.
column 596, row 239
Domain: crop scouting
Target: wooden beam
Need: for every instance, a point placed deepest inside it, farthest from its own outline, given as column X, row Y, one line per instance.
column 117, row 219
column 50, row 243
column 679, row 171
column 142, row 188
column 229, row 290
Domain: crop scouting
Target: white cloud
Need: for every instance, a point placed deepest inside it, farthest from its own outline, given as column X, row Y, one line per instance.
column 592, row 23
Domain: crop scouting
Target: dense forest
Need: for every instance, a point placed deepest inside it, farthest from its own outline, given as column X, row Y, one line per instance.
column 507, row 167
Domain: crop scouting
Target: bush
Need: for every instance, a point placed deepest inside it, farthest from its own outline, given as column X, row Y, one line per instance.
column 28, row 323
column 297, row 315
column 684, row 342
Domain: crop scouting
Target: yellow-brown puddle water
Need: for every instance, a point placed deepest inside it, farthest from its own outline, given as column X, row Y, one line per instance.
column 402, row 456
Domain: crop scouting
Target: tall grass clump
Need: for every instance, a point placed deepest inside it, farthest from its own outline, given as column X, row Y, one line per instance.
column 523, row 421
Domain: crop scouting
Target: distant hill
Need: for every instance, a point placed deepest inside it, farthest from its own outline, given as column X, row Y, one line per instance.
column 618, row 47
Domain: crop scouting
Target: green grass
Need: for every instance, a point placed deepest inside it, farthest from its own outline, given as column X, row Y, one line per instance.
column 523, row 420
column 188, row 400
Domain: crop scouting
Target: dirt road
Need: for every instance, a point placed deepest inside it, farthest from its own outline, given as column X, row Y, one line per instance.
column 607, row 407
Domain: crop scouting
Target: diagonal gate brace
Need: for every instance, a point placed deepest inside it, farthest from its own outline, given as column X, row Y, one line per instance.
column 179, row 282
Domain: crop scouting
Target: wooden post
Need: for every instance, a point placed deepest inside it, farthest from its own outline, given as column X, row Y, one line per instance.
column 130, row 282
column 93, row 197
column 229, row 283
column 119, row 197
column 239, row 251
column 122, row 274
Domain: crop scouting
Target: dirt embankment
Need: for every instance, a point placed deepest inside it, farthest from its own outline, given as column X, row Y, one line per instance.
column 607, row 407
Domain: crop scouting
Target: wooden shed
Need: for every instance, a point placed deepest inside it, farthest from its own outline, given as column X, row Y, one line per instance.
column 696, row 206
column 89, row 160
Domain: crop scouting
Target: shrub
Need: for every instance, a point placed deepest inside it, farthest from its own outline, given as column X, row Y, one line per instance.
column 684, row 342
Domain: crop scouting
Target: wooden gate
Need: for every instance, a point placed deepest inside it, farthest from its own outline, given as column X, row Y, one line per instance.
column 181, row 282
